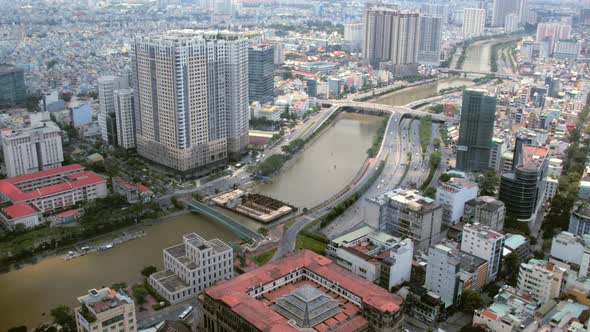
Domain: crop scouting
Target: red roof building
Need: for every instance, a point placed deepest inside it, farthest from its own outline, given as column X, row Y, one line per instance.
column 303, row 290
column 21, row 213
column 55, row 188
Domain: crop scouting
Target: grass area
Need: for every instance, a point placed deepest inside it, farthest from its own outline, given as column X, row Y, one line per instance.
column 378, row 139
column 425, row 132
column 305, row 242
column 264, row 257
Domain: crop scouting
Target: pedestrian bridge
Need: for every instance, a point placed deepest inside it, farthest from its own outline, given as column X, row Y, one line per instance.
column 242, row 231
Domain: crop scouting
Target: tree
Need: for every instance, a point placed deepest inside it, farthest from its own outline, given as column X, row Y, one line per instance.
column 119, row 285
column 21, row 328
column 470, row 328
column 148, row 271
column 430, row 192
column 488, row 182
column 510, row 269
column 444, row 177
column 470, row 301
column 263, row 231
column 64, row 317
column 139, row 292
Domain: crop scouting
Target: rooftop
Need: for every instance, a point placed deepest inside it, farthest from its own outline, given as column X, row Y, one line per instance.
column 511, row 306
column 533, row 157
column 457, row 184
column 67, row 177
column 410, row 198
column 258, row 310
column 104, row 299
column 514, row 241
column 20, row 210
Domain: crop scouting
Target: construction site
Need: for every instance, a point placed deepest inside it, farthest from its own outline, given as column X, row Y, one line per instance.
column 259, row 207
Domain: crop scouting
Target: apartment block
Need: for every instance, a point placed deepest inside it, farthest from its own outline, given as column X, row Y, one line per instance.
column 485, row 210
column 105, row 310
column 107, row 85
column 573, row 251
column 450, row 271
column 192, row 266
column 541, row 279
column 485, row 243
column 125, row 118
column 404, row 213
column 373, row 255
column 191, row 98
column 54, row 189
column 391, row 39
column 452, row 196
column 32, row 149
column 474, row 20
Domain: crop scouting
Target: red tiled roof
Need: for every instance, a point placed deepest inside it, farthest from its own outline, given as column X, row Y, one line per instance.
column 234, row 292
column 45, row 173
column 69, row 213
column 354, row 324
column 81, row 179
column 19, row 210
column 489, row 314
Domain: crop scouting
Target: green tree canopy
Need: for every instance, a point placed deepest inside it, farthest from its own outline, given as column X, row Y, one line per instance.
column 470, row 301
column 488, row 183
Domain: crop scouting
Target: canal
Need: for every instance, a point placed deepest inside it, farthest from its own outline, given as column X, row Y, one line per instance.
column 478, row 57
column 328, row 164
column 406, row 96
column 27, row 293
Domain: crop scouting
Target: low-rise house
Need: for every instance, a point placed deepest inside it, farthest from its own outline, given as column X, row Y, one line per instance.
column 511, row 311
column 133, row 192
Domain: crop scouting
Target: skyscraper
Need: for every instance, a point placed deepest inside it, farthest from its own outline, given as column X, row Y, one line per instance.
column 106, row 113
column 474, row 20
column 191, row 98
column 436, row 9
column 476, row 131
column 125, row 117
column 12, row 85
column 391, row 39
column 353, row 35
column 430, row 37
column 260, row 73
column 502, row 8
column 523, row 189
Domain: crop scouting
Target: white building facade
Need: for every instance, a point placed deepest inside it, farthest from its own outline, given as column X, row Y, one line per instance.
column 192, row 266
column 483, row 242
column 542, row 280
column 125, row 117
column 105, row 310
column 32, row 149
column 452, row 196
column 374, row 255
column 474, row 20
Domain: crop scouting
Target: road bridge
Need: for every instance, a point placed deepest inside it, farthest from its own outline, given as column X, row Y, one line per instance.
column 381, row 108
column 242, row 231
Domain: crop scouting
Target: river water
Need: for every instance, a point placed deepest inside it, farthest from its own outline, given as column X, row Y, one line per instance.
column 478, row 57
column 406, row 96
column 27, row 293
column 328, row 164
